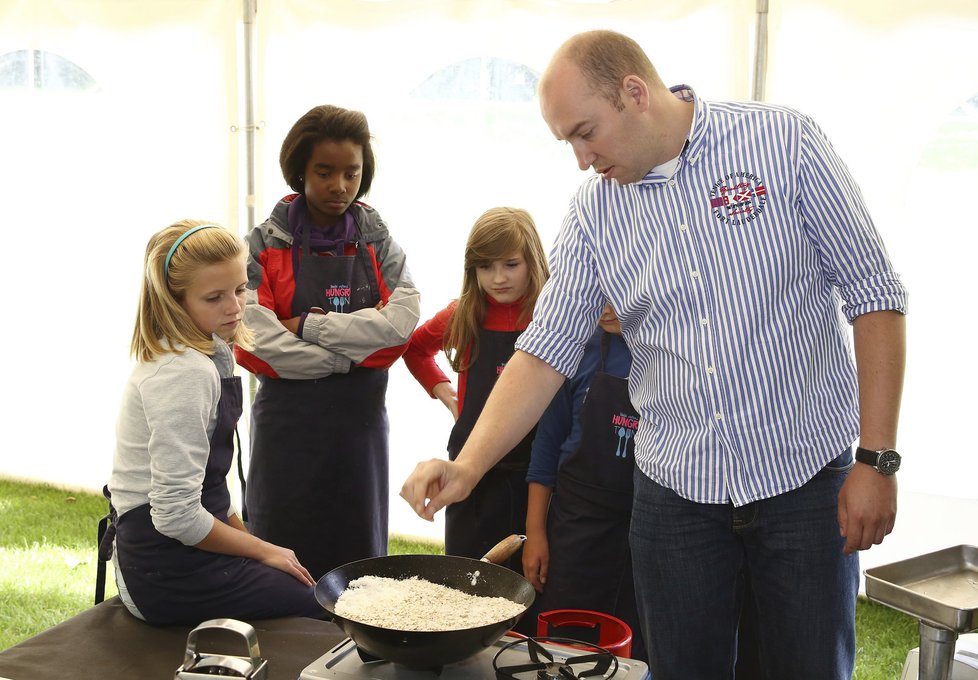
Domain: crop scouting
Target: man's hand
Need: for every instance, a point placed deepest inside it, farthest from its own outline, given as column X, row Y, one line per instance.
column 868, row 500
column 514, row 406
column 867, row 507
column 440, row 483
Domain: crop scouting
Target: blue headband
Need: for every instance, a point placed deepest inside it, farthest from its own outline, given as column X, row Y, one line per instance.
column 176, row 244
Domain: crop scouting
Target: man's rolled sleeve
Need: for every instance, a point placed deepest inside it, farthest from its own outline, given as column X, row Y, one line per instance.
column 569, row 304
column 883, row 292
column 560, row 352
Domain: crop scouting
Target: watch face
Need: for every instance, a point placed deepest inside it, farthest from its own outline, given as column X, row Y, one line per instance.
column 888, row 462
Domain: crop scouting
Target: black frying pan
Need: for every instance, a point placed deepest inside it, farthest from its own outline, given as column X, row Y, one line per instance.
column 430, row 649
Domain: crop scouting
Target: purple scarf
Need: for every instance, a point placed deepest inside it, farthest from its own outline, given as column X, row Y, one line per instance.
column 320, row 238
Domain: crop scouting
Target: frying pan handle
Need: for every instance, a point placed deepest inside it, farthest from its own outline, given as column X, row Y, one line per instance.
column 505, row 549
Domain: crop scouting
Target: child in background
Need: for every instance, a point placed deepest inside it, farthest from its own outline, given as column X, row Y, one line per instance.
column 580, row 497
column 332, row 306
column 181, row 553
column 505, row 268
column 580, row 488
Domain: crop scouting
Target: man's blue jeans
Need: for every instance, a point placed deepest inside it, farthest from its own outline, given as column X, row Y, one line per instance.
column 687, row 561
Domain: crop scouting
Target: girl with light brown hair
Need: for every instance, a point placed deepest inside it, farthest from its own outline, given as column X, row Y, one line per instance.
column 505, row 269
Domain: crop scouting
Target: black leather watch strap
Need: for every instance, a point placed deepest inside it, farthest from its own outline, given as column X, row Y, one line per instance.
column 886, row 461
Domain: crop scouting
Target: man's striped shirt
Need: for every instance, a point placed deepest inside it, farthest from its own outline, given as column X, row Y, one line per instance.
column 733, row 279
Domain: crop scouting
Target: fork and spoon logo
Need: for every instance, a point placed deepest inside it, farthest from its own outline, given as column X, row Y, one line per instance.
column 624, row 427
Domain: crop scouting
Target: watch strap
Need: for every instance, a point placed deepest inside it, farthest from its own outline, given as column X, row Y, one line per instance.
column 867, row 456
column 885, row 461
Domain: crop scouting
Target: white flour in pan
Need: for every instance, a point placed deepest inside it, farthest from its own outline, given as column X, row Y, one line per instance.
column 419, row 605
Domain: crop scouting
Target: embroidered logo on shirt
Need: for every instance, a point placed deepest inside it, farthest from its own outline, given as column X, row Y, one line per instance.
column 738, row 197
column 338, row 297
column 624, row 427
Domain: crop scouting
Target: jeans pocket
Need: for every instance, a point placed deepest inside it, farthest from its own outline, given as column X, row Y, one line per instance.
column 838, row 466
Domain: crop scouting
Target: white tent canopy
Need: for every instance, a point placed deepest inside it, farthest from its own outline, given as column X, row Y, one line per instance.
column 122, row 116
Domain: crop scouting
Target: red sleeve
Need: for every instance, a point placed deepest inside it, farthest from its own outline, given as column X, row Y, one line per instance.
column 426, row 342
column 382, row 358
column 275, row 292
column 277, row 287
column 253, row 364
column 385, row 292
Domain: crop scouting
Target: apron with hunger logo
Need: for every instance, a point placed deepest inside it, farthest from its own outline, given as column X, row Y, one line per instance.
column 496, row 507
column 169, row 582
column 318, row 477
column 590, row 512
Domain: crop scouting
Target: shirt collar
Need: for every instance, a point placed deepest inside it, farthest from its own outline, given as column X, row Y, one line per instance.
column 695, row 139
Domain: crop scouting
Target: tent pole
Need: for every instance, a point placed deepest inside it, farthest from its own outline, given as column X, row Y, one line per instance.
column 760, row 53
column 250, row 12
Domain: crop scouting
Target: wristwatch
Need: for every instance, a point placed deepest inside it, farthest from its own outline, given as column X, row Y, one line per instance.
column 886, row 461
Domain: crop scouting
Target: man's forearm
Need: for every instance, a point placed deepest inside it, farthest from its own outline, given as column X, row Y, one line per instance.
column 515, row 404
column 880, row 343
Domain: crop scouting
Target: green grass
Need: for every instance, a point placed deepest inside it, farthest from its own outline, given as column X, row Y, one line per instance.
column 883, row 638
column 47, row 557
column 48, row 561
column 954, row 146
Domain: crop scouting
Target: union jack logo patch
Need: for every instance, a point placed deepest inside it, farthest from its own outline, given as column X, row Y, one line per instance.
column 738, row 197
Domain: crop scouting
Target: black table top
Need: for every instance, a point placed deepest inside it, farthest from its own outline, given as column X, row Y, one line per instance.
column 106, row 642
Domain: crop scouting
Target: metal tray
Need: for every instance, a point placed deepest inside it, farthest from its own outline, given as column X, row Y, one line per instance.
column 939, row 588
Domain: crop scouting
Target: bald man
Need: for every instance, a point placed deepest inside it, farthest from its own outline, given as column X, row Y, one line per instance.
column 729, row 237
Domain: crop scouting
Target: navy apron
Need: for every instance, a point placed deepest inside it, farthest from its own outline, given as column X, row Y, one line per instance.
column 496, row 507
column 170, row 582
column 590, row 512
column 318, row 475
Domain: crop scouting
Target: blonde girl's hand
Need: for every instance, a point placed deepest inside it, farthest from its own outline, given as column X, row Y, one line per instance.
column 446, row 394
column 285, row 560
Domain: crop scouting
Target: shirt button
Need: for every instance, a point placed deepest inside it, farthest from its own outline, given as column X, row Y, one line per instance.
column 695, row 274
column 703, row 322
column 718, row 415
column 683, row 227
column 672, row 182
column 710, row 370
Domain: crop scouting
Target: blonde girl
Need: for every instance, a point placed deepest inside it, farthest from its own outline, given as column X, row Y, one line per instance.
column 180, row 552
column 505, row 269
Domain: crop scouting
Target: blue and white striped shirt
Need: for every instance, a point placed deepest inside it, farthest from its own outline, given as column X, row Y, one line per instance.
column 733, row 279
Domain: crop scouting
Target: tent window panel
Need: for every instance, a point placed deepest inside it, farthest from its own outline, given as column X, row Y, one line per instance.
column 955, row 142
column 480, row 78
column 40, row 70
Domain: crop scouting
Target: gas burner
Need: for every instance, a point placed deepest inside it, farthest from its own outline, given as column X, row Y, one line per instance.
column 594, row 661
column 499, row 661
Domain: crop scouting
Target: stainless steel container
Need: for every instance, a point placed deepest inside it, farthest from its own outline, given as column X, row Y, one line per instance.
column 202, row 666
column 941, row 590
